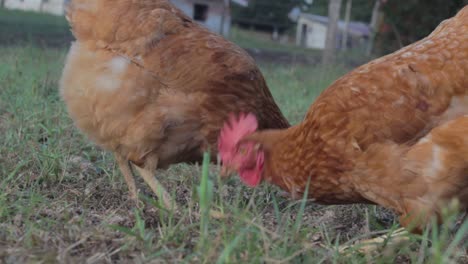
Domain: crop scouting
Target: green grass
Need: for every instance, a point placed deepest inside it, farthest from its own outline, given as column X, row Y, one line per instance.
column 20, row 27
column 255, row 40
column 62, row 199
column 287, row 50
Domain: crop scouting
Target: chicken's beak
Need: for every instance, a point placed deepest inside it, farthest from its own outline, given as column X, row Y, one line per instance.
column 227, row 171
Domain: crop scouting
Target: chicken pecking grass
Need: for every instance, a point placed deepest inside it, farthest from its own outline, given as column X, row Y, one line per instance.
column 60, row 196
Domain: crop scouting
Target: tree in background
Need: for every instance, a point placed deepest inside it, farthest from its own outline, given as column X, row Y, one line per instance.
column 361, row 10
column 412, row 21
column 330, row 42
column 375, row 22
column 344, row 40
column 402, row 23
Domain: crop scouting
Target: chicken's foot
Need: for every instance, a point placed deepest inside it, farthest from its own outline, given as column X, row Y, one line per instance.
column 124, row 166
column 147, row 173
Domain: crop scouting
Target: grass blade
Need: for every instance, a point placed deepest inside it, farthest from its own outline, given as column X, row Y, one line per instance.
column 205, row 194
column 459, row 236
column 224, row 256
column 300, row 214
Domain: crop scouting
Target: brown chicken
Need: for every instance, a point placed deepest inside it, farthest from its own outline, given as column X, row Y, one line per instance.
column 365, row 139
column 146, row 82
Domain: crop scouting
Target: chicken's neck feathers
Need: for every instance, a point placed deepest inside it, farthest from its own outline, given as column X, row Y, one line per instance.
column 294, row 155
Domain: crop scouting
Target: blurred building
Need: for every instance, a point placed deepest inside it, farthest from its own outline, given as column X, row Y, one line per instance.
column 214, row 14
column 312, row 32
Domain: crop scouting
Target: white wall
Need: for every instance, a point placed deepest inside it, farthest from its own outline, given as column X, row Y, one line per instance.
column 185, row 6
column 51, row 6
column 54, row 7
column 32, row 5
column 316, row 34
column 214, row 19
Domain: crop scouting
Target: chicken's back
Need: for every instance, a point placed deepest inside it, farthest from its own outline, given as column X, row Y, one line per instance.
column 143, row 78
column 399, row 98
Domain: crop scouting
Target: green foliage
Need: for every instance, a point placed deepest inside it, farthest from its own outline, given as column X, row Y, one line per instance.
column 413, row 20
column 266, row 12
column 269, row 14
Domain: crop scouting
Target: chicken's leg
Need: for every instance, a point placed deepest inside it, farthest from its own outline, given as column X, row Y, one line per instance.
column 147, row 173
column 124, row 167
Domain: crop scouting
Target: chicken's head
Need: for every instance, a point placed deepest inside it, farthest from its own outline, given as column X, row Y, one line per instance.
column 246, row 158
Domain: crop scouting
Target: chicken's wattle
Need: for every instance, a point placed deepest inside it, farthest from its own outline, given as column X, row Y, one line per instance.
column 252, row 177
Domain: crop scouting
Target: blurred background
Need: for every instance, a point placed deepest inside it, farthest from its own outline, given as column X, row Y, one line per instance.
column 269, row 30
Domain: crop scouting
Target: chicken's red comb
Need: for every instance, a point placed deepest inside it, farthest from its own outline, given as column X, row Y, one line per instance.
column 234, row 130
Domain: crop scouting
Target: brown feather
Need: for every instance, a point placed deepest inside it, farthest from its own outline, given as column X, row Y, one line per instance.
column 143, row 78
column 365, row 121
